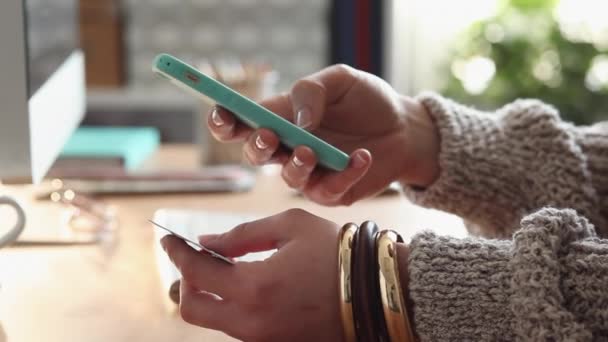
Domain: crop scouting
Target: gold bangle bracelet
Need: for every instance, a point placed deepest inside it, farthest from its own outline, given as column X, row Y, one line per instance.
column 345, row 246
column 393, row 301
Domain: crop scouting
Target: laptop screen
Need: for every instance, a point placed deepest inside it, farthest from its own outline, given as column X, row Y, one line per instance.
column 52, row 36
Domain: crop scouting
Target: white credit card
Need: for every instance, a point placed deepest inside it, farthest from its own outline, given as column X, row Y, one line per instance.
column 195, row 244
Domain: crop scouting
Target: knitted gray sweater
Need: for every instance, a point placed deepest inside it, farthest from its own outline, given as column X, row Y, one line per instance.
column 541, row 185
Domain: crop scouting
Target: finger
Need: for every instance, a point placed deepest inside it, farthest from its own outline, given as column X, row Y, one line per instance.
column 330, row 187
column 296, row 171
column 280, row 156
column 256, row 236
column 311, row 95
column 224, row 126
column 260, row 146
column 280, row 105
column 200, row 270
column 204, row 309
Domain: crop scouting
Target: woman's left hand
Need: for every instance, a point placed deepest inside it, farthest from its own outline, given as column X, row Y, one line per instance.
column 291, row 296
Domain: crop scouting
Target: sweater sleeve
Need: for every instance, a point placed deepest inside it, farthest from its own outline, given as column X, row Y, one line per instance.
column 498, row 167
column 547, row 284
column 593, row 141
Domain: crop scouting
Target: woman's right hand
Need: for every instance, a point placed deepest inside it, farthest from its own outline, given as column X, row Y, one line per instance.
column 389, row 137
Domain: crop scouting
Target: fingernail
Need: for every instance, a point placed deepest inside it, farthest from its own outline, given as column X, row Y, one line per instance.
column 359, row 161
column 304, row 117
column 333, row 196
column 260, row 144
column 216, row 118
column 297, row 162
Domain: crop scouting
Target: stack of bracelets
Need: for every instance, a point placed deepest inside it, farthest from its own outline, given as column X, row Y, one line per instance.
column 371, row 298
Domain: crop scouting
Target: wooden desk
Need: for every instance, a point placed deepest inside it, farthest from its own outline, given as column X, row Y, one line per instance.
column 112, row 293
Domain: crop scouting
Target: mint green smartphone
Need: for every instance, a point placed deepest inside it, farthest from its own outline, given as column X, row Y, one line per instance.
column 249, row 112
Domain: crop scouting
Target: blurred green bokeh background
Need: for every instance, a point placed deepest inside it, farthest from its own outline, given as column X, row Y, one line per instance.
column 535, row 49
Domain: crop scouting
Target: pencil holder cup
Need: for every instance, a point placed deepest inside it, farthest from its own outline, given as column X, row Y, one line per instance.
column 254, row 85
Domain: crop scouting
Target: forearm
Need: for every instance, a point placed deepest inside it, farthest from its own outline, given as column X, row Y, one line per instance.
column 544, row 284
column 497, row 168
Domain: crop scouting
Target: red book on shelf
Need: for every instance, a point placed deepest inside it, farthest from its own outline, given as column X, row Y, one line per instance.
column 363, row 34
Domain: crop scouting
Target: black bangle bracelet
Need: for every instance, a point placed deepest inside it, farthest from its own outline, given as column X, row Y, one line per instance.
column 370, row 325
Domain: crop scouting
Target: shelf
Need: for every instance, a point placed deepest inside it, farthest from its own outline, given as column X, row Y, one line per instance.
column 138, row 99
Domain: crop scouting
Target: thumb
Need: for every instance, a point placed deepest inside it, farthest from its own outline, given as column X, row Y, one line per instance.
column 311, row 95
column 308, row 101
column 250, row 237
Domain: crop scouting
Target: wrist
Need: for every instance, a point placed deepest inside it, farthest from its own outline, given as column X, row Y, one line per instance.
column 420, row 138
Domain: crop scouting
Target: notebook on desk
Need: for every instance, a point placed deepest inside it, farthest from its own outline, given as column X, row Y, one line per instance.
column 191, row 224
column 112, row 148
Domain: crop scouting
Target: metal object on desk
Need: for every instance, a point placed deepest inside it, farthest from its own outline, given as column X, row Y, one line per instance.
column 12, row 234
column 84, row 213
column 87, row 220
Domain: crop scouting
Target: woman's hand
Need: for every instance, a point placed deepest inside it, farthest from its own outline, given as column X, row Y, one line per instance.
column 291, row 296
column 356, row 112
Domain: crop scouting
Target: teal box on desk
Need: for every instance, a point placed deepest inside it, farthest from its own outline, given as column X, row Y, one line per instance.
column 125, row 147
